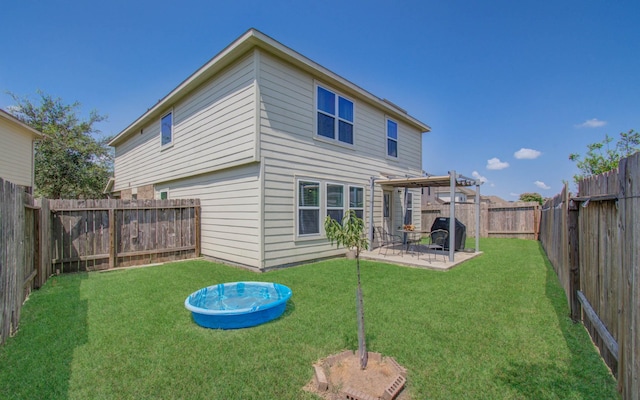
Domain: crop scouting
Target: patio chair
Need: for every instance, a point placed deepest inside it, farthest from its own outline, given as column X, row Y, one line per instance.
column 437, row 242
column 413, row 242
column 386, row 240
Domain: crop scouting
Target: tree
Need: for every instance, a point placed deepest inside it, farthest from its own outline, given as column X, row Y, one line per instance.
column 71, row 161
column 602, row 157
column 350, row 235
column 537, row 197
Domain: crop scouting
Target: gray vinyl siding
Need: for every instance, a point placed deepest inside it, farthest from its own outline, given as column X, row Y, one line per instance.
column 290, row 151
column 230, row 212
column 213, row 129
column 241, row 141
column 16, row 153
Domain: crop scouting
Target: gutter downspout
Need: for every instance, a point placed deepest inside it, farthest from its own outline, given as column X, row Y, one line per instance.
column 372, row 182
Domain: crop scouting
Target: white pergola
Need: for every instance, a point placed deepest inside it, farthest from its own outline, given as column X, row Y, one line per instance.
column 452, row 180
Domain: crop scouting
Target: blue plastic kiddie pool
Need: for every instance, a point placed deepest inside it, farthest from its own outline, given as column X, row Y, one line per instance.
column 237, row 304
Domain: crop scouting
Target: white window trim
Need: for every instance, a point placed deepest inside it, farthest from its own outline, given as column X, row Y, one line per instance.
column 299, row 207
column 335, row 140
column 386, row 139
column 348, row 200
column 322, row 207
column 409, row 207
column 387, row 198
column 173, row 133
column 326, row 193
column 159, row 193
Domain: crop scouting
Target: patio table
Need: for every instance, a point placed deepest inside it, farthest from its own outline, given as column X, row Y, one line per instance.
column 408, row 242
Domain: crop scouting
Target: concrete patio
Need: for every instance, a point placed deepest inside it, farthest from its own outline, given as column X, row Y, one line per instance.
column 418, row 259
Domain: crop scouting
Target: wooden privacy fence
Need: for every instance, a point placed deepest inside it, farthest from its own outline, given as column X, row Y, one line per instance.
column 99, row 234
column 41, row 237
column 592, row 242
column 22, row 264
column 517, row 220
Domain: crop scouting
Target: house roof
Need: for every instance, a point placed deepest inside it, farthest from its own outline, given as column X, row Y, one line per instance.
column 8, row 117
column 256, row 39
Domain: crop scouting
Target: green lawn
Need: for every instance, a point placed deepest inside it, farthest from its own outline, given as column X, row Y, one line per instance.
column 495, row 327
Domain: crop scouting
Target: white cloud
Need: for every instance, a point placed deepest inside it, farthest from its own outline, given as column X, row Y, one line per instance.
column 479, row 177
column 592, row 123
column 542, row 185
column 496, row 164
column 528, row 154
column 515, row 194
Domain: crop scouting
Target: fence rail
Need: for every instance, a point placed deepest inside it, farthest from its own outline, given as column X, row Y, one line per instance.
column 41, row 237
column 518, row 220
column 592, row 243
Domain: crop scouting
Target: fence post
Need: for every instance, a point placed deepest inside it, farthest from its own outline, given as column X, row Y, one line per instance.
column 197, row 227
column 574, row 261
column 112, row 238
column 629, row 302
column 37, row 245
column 536, row 222
column 44, row 218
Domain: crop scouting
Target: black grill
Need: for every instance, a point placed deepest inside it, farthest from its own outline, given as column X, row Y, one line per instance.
column 461, row 232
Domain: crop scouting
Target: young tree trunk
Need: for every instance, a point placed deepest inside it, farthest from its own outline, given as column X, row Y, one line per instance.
column 363, row 355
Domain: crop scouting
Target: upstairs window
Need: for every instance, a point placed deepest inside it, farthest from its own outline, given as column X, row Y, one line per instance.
column 166, row 129
column 392, row 138
column 335, row 116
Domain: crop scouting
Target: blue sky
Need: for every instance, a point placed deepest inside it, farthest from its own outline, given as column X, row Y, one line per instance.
column 490, row 77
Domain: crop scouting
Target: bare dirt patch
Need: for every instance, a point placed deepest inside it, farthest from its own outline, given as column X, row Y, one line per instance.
column 344, row 376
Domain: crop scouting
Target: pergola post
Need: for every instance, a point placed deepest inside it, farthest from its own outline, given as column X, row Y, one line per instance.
column 452, row 215
column 477, row 216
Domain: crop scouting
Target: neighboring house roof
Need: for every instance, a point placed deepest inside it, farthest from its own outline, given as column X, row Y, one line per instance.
column 8, row 117
column 256, row 39
column 497, row 200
